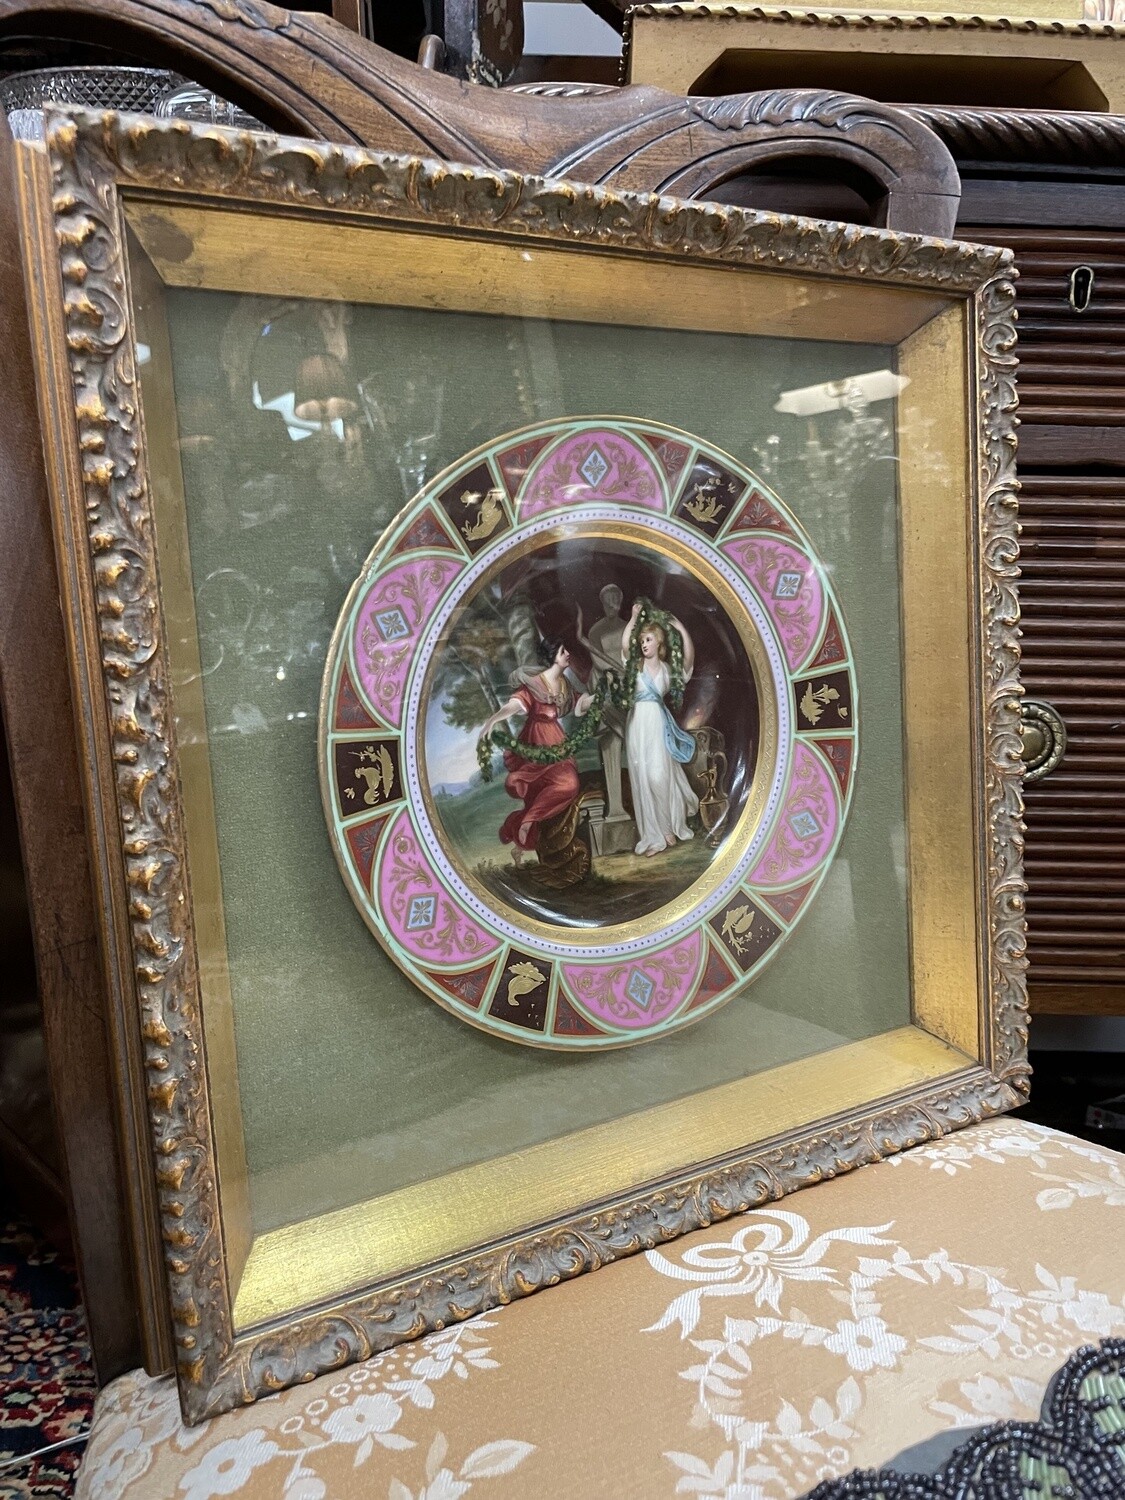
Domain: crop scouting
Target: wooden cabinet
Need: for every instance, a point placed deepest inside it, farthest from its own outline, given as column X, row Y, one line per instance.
column 29, row 1153
column 1071, row 300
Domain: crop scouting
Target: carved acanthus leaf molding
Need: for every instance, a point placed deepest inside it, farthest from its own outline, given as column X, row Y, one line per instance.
column 259, row 15
column 163, row 154
column 371, row 1324
column 119, row 521
column 825, row 107
column 1003, row 760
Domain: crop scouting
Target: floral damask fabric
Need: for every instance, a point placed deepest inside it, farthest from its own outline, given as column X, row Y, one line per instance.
column 749, row 1361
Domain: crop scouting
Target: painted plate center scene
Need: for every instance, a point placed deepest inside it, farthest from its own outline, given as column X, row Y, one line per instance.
column 588, row 733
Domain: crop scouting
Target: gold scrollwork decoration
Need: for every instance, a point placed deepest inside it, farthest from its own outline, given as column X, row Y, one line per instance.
column 998, row 537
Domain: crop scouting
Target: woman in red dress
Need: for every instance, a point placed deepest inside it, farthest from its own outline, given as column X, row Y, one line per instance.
column 547, row 790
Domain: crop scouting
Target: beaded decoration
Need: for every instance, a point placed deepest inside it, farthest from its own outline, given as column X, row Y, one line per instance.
column 1075, row 1450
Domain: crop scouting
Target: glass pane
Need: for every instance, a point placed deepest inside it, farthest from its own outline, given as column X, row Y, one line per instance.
column 304, row 429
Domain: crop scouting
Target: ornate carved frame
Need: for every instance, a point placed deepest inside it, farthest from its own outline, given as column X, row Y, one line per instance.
column 96, row 455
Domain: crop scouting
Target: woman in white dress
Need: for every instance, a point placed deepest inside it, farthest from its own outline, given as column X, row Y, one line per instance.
column 656, row 748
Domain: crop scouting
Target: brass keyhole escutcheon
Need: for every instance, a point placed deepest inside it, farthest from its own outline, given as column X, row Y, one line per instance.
column 1081, row 288
column 1044, row 738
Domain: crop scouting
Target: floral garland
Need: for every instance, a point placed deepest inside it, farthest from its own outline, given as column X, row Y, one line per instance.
column 650, row 615
column 620, row 691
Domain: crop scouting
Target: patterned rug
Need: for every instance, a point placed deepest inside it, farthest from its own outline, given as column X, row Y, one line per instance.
column 46, row 1379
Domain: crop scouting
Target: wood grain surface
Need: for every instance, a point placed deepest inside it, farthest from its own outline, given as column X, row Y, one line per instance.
column 38, row 718
column 1072, row 509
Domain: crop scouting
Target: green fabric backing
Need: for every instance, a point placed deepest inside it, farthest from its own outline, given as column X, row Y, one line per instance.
column 340, row 1060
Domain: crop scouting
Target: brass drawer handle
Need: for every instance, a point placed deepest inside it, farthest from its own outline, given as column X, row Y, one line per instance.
column 1044, row 738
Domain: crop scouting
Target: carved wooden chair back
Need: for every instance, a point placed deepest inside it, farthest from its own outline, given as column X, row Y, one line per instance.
column 306, row 75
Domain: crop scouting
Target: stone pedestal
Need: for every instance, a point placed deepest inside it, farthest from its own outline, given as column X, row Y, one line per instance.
column 613, row 835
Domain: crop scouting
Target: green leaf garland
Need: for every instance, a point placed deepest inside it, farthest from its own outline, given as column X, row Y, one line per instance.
column 620, row 691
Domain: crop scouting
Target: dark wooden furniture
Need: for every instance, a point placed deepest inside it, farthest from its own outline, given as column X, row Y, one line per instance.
column 305, row 74
column 481, row 40
column 1052, row 187
column 30, row 1162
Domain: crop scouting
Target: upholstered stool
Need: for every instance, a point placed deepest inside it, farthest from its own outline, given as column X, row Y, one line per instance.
column 938, row 1289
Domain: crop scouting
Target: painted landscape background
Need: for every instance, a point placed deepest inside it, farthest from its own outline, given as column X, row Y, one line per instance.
column 497, row 632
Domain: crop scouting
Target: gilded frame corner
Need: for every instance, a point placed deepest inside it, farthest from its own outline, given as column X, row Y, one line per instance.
column 104, row 515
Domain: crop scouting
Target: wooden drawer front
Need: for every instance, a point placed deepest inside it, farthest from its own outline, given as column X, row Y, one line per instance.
column 1072, row 378
column 1072, row 364
column 1073, row 601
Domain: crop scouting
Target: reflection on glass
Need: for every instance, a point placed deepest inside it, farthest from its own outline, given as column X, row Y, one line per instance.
column 281, row 512
column 843, row 437
column 322, row 396
column 407, row 417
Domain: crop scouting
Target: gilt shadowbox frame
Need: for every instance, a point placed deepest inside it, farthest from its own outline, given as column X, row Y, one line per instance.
column 126, row 221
